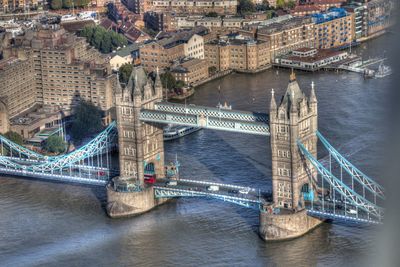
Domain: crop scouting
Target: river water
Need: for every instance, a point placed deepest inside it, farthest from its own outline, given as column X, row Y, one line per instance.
column 55, row 224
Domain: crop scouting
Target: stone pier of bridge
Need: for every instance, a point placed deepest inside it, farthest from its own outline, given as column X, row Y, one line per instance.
column 141, row 145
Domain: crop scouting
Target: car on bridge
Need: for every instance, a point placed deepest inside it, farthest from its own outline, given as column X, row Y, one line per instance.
column 244, row 191
column 213, row 188
column 172, row 182
column 352, row 211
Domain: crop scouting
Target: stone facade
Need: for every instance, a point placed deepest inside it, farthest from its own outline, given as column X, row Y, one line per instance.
column 286, row 226
column 191, row 71
column 223, row 7
column 123, row 204
column 18, row 94
column 163, row 52
column 64, row 67
column 237, row 54
column 285, row 36
column 140, row 143
column 296, row 118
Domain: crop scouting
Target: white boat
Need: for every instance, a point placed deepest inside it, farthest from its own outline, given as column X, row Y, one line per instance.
column 172, row 132
column 383, row 71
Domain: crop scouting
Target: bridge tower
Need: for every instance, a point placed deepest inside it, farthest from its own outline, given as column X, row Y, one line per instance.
column 141, row 146
column 295, row 118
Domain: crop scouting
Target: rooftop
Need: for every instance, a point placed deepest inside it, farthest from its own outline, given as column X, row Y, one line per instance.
column 184, row 65
column 320, row 55
column 331, row 14
column 127, row 50
column 285, row 25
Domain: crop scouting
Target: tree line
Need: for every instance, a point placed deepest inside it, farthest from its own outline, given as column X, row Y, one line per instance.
column 58, row 4
column 104, row 40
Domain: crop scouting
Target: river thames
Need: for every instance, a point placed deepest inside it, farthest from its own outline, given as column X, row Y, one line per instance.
column 55, row 224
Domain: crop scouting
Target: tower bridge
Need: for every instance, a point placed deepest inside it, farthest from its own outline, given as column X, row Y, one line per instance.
column 305, row 192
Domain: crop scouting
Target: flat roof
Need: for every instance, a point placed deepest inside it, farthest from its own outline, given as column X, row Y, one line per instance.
column 320, row 55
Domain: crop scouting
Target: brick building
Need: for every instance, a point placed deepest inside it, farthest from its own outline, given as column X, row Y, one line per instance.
column 284, row 36
column 238, row 54
column 59, row 70
column 158, row 21
column 222, row 7
column 171, row 47
column 333, row 29
column 190, row 71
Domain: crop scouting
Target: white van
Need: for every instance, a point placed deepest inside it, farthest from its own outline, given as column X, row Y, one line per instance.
column 172, row 182
column 213, row 188
column 244, row 191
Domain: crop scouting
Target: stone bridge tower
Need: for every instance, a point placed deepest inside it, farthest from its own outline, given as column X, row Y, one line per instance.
column 140, row 144
column 296, row 118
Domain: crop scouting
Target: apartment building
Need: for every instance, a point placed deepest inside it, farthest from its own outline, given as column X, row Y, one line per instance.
column 237, row 53
column 222, row 7
column 284, row 36
column 333, row 29
column 171, row 47
column 59, row 70
column 379, row 16
column 17, row 83
column 11, row 5
column 190, row 71
column 158, row 21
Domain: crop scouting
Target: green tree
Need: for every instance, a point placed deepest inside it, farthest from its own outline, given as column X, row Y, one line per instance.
column 212, row 70
column 106, row 45
column 55, row 144
column 212, row 14
column 291, row 4
column 56, row 4
column 246, row 6
column 103, row 40
column 14, row 137
column 87, row 120
column 168, row 80
column 270, row 14
column 124, row 72
column 67, row 3
column 280, row 3
column 179, row 84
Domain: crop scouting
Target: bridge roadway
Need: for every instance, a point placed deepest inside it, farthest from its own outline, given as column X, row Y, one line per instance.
column 241, row 195
column 339, row 210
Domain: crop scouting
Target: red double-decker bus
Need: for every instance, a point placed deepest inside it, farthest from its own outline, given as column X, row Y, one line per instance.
column 150, row 178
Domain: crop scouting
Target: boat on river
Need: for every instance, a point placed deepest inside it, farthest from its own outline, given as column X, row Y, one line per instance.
column 172, row 132
column 383, row 71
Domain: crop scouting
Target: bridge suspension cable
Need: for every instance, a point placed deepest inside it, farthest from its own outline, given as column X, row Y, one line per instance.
column 350, row 195
column 354, row 172
column 89, row 164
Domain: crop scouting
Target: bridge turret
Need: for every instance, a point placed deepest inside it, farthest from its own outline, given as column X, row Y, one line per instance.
column 158, row 88
column 272, row 105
